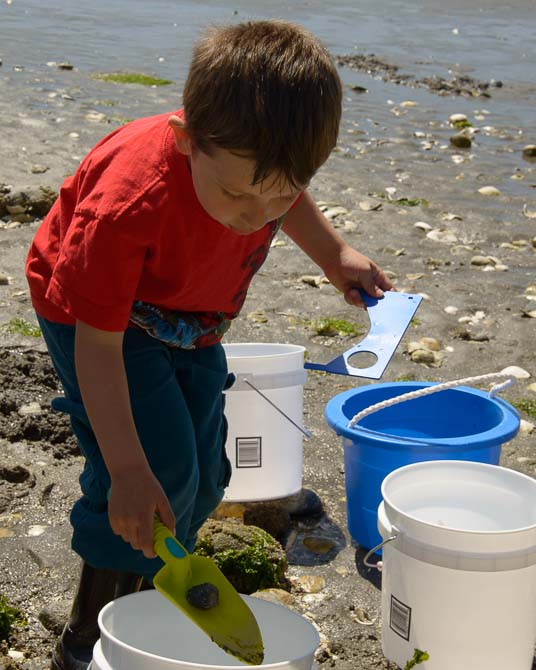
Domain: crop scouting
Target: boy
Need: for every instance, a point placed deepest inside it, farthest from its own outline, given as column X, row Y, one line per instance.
column 138, row 270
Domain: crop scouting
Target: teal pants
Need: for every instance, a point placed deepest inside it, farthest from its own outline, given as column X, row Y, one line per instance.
column 178, row 407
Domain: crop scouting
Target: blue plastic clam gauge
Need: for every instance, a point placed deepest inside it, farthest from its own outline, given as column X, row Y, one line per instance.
column 390, row 317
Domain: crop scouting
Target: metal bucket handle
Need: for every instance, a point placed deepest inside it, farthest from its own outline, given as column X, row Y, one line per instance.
column 496, row 388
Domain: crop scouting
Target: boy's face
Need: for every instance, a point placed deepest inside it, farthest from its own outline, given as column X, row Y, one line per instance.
column 222, row 183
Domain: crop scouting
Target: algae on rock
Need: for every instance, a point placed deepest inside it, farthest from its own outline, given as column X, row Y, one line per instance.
column 248, row 556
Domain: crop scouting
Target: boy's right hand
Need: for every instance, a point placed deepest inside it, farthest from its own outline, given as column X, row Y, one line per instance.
column 135, row 497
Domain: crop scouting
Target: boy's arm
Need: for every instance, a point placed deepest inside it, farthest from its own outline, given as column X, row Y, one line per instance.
column 135, row 493
column 345, row 267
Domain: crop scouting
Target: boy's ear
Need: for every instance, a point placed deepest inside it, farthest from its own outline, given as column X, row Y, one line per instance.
column 182, row 138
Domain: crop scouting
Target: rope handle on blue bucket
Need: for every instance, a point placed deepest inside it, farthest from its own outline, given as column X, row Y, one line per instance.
column 506, row 374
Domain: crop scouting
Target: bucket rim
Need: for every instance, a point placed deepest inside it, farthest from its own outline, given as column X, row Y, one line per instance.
column 202, row 666
column 468, row 464
column 505, row 429
column 286, row 349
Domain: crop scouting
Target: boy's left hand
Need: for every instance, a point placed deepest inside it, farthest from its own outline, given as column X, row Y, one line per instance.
column 353, row 271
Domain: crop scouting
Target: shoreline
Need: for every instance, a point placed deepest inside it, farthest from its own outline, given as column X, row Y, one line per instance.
column 478, row 312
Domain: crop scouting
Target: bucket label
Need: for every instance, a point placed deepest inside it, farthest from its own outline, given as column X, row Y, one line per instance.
column 249, row 452
column 400, row 618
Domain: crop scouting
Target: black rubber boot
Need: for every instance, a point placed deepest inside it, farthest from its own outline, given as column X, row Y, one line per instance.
column 97, row 587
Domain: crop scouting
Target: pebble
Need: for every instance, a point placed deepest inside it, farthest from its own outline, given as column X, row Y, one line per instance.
column 529, row 153
column 530, row 214
column 369, row 206
column 39, row 169
column 431, row 343
column 448, row 216
column 35, row 531
column 335, row 211
column 526, row 427
column 30, row 409
column 424, row 356
column 516, row 371
column 203, row 596
column 95, row 117
column 461, row 141
column 65, row 66
column 489, row 190
column 409, row 103
column 422, row 225
column 15, row 655
column 318, row 545
column 451, row 309
column 4, row 279
column 277, row 596
column 258, row 316
column 482, row 260
column 457, row 118
column 443, row 236
column 311, row 583
column 74, row 136
column 532, row 387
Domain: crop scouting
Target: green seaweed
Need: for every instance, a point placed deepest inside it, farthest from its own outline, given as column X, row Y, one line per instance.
column 131, row 78
column 460, row 125
column 20, row 326
column 9, row 617
column 333, row 327
column 418, row 658
column 527, row 406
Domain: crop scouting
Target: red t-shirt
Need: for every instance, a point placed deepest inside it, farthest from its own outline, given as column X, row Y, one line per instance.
column 128, row 241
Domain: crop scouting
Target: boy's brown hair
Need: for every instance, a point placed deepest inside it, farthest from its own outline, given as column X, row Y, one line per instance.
column 268, row 90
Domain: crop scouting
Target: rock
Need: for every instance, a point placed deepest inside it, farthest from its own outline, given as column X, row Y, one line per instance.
column 489, row 190
column 517, row 372
column 461, row 141
column 451, row 309
column 36, row 530
column 532, row 387
column 422, row 225
column 335, row 211
column 65, row 66
column 271, row 516
column 310, row 583
column 318, row 545
column 424, row 356
column 39, row 169
column 526, row 427
column 226, row 510
column 431, row 343
column 277, row 596
column 369, row 206
column 409, row 103
column 31, row 408
column 530, row 214
column 314, row 280
column 203, row 596
column 481, row 260
column 250, row 558
column 442, row 236
column 95, row 117
column 457, row 118
column 258, row 316
column 305, row 503
column 4, row 279
column 529, row 153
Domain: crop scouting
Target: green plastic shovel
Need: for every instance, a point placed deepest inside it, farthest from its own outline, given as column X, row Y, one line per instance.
column 230, row 623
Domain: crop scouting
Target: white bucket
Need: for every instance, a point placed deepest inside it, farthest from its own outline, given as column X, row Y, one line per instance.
column 144, row 631
column 459, row 579
column 264, row 447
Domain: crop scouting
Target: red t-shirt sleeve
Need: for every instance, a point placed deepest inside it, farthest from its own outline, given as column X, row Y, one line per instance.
column 98, row 269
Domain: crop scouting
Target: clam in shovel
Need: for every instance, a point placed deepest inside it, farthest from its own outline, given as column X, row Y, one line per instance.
column 222, row 614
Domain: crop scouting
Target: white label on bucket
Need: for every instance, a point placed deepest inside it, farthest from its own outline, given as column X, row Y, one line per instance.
column 400, row 620
column 248, row 452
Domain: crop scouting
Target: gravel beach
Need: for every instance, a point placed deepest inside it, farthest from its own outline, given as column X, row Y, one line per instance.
column 452, row 220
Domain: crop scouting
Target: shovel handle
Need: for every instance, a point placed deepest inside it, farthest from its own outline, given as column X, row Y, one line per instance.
column 166, row 545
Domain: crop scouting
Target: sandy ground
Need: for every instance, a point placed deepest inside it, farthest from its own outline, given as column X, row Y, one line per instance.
column 39, row 469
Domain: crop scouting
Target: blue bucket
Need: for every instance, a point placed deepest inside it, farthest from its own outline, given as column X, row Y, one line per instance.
column 455, row 424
